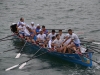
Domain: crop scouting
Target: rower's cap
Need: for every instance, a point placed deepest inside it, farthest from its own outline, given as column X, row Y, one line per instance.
column 28, row 25
column 14, row 23
column 38, row 25
column 40, row 30
column 32, row 22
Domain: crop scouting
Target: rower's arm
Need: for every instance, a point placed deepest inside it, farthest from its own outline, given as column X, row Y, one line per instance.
column 66, row 39
column 70, row 41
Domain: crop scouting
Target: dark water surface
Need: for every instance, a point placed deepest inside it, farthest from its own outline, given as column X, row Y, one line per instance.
column 83, row 16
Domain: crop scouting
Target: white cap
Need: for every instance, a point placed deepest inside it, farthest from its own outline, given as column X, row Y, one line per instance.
column 28, row 25
column 32, row 22
column 14, row 23
column 38, row 24
column 40, row 30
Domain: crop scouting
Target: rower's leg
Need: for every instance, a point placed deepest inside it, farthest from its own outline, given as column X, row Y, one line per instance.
column 21, row 36
column 65, row 48
column 78, row 48
column 71, row 46
column 33, row 41
column 45, row 43
column 58, row 49
column 28, row 39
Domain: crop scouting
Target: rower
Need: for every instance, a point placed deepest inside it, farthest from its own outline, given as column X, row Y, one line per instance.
column 75, row 42
column 33, row 30
column 50, row 35
column 20, row 22
column 50, row 43
column 62, row 36
column 37, row 29
column 45, row 31
column 21, row 29
column 58, row 43
column 66, row 42
column 28, row 36
column 41, row 38
column 32, row 26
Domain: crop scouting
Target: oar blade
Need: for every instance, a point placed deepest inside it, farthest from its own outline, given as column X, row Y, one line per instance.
column 12, row 67
column 96, row 43
column 22, row 65
column 18, row 55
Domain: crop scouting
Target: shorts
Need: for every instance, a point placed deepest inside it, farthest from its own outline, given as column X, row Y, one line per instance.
column 77, row 45
column 35, row 38
column 27, row 35
column 22, row 33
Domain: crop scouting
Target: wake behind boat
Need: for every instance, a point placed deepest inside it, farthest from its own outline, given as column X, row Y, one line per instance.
column 84, row 59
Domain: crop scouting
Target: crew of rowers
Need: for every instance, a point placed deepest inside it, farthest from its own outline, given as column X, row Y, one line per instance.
column 55, row 41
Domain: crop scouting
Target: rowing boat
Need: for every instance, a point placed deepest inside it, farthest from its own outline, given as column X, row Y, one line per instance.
column 85, row 59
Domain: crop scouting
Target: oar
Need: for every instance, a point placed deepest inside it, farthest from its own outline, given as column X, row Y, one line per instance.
column 6, row 37
column 23, row 62
column 94, row 49
column 91, row 46
column 11, row 49
column 98, row 43
column 19, row 54
column 90, row 41
column 8, row 50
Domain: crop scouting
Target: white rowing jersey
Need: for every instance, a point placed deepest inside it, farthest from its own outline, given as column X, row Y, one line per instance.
column 41, row 36
column 58, row 42
column 74, row 37
column 20, row 23
column 62, row 36
column 32, row 27
column 68, row 41
column 49, row 43
column 50, row 35
column 21, row 28
column 26, row 32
